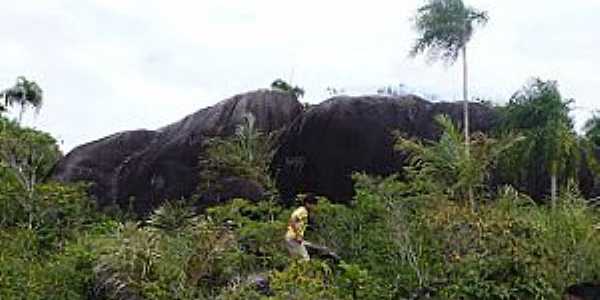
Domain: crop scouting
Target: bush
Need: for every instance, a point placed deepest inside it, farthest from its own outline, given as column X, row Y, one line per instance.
column 27, row 274
column 201, row 257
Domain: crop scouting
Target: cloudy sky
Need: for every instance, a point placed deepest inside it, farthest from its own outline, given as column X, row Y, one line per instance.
column 112, row 65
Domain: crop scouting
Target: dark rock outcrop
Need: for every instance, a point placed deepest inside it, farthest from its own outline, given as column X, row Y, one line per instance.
column 234, row 187
column 151, row 166
column 95, row 162
column 322, row 148
column 583, row 291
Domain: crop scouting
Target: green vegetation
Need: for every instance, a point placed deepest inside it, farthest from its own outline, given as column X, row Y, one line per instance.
column 446, row 164
column 445, row 28
column 281, row 85
column 439, row 229
column 592, row 129
column 246, row 154
column 24, row 93
column 398, row 239
column 540, row 113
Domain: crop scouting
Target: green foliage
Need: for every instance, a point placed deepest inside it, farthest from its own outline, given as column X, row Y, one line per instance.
column 376, row 234
column 510, row 249
column 446, row 165
column 27, row 275
column 304, row 280
column 172, row 215
column 513, row 249
column 591, row 129
column 46, row 229
column 53, row 258
column 445, row 27
column 260, row 229
column 205, row 256
column 397, row 239
column 56, row 212
column 26, row 155
column 541, row 115
column 395, row 243
column 23, row 93
column 283, row 86
column 245, row 155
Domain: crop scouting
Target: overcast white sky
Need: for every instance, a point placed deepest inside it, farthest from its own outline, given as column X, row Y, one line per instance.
column 113, row 65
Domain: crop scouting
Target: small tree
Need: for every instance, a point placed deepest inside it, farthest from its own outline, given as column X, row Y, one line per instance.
column 26, row 158
column 247, row 155
column 283, row 86
column 540, row 113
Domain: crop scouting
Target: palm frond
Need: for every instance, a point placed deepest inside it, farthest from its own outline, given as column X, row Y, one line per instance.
column 445, row 27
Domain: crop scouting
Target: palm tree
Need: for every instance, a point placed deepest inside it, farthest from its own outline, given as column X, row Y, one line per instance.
column 23, row 93
column 541, row 114
column 445, row 27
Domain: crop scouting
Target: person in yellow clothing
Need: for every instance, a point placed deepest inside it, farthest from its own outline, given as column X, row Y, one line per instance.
column 294, row 237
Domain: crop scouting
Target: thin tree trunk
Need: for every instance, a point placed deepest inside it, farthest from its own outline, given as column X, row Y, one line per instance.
column 553, row 189
column 466, row 119
column 21, row 111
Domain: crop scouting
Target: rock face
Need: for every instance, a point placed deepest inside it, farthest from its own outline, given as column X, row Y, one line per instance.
column 583, row 291
column 151, row 166
column 322, row 148
column 95, row 162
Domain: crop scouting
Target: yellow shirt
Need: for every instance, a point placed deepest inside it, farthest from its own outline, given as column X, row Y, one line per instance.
column 299, row 217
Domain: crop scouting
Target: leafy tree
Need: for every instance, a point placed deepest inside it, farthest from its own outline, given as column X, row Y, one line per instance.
column 24, row 93
column 26, row 154
column 26, row 157
column 541, row 114
column 591, row 129
column 283, row 86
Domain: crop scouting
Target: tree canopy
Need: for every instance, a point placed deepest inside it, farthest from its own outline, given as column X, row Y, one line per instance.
column 24, row 93
column 445, row 27
column 541, row 114
column 282, row 85
column 591, row 129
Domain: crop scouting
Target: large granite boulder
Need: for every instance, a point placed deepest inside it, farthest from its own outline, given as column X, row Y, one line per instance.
column 321, row 149
column 148, row 167
column 95, row 162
